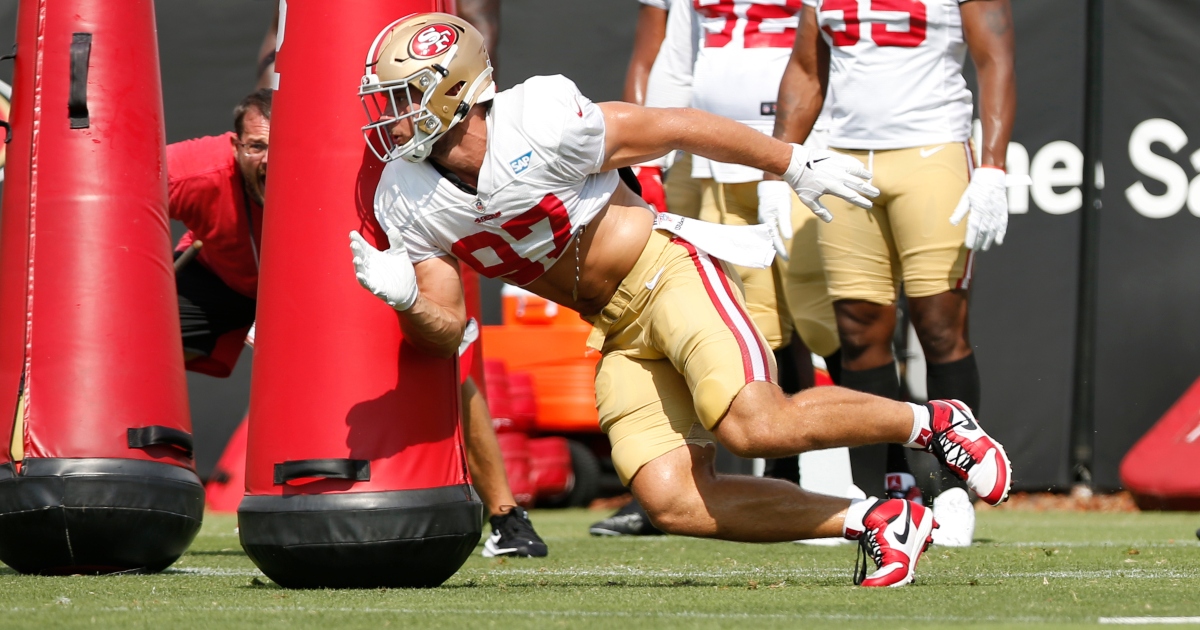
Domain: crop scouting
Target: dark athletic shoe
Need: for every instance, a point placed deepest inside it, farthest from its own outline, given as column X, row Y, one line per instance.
column 630, row 520
column 513, row 535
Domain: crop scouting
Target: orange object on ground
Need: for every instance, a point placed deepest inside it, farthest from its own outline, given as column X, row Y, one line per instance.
column 563, row 371
column 523, row 308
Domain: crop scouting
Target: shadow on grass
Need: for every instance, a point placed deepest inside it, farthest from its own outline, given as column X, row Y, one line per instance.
column 222, row 552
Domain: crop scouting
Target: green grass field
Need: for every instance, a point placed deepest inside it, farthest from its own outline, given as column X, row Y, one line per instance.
column 1053, row 569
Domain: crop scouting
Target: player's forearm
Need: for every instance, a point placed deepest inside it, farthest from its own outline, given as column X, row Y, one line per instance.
column 433, row 328
column 651, row 28
column 997, row 108
column 802, row 88
column 987, row 28
column 639, row 134
column 800, row 99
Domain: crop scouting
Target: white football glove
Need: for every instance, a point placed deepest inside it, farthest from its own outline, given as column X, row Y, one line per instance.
column 986, row 198
column 816, row 172
column 775, row 211
column 388, row 274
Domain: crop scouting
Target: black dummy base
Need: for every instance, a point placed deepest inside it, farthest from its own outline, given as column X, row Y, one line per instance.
column 63, row 516
column 397, row 539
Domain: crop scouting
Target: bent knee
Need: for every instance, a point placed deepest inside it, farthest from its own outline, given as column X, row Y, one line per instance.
column 751, row 426
column 669, row 490
column 672, row 517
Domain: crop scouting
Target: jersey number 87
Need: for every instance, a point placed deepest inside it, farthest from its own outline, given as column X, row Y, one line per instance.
column 548, row 214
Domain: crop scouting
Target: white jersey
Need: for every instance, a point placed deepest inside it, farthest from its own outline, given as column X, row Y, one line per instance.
column 657, row 4
column 540, row 183
column 725, row 57
column 895, row 72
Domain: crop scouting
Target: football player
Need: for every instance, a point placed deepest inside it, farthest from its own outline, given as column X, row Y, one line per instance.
column 216, row 187
column 890, row 74
column 703, row 63
column 523, row 185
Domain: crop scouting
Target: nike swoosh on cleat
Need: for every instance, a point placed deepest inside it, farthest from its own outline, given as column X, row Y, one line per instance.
column 968, row 423
column 928, row 152
column 902, row 537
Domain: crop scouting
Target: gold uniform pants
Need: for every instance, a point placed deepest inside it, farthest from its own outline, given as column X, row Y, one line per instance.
column 677, row 348
column 907, row 234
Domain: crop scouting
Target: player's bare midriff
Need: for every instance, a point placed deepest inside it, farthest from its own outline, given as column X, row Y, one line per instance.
column 608, row 250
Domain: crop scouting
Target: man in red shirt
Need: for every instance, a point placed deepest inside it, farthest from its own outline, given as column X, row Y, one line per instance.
column 215, row 187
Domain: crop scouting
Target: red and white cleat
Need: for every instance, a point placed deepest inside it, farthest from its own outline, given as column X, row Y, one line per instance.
column 896, row 533
column 958, row 441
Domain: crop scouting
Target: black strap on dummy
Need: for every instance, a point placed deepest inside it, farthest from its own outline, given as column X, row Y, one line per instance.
column 77, row 108
column 160, row 436
column 352, row 469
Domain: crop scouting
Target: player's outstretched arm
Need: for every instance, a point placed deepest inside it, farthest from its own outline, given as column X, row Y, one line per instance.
column 638, row 134
column 802, row 89
column 634, row 134
column 428, row 295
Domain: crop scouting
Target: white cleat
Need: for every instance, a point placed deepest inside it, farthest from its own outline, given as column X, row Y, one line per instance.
column 956, row 517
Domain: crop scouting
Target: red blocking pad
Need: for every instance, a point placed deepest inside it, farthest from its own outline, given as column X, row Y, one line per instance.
column 1162, row 470
column 101, row 476
column 514, row 448
column 356, row 473
column 227, row 485
column 550, row 467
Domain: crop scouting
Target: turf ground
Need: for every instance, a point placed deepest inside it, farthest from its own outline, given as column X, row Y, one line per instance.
column 1027, row 568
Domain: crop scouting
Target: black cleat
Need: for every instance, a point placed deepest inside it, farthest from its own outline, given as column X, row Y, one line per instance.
column 513, row 535
column 630, row 520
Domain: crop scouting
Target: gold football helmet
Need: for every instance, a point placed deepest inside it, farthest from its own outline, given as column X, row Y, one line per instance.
column 430, row 67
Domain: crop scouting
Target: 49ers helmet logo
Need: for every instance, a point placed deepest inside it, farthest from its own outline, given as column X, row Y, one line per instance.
column 432, row 41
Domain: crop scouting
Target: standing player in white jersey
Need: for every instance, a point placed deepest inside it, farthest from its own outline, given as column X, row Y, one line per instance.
column 890, row 74
column 523, row 185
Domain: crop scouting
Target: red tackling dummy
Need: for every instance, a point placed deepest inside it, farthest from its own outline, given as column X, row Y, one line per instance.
column 355, row 472
column 100, row 476
column 1162, row 470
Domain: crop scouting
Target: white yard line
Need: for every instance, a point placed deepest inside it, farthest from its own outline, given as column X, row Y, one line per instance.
column 630, row 572
column 1148, row 621
column 494, row 612
column 213, row 572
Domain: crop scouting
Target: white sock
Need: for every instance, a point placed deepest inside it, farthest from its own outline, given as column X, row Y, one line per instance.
column 921, row 422
column 852, row 527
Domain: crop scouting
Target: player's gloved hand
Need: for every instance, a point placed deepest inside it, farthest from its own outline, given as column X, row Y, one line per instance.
column 388, row 274
column 986, row 198
column 816, row 172
column 775, row 210
column 650, row 177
